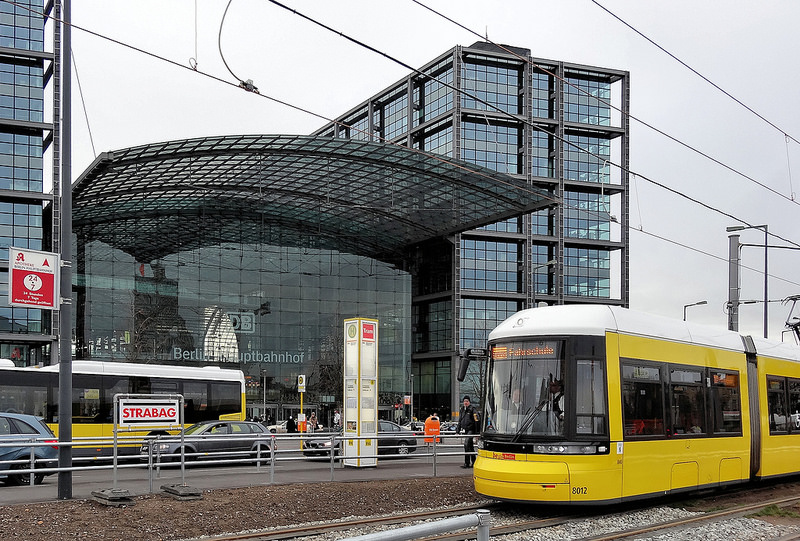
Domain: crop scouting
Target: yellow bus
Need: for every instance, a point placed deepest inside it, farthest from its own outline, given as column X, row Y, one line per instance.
column 208, row 393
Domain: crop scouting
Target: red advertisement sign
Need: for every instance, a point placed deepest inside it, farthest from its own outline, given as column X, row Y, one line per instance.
column 369, row 331
column 34, row 277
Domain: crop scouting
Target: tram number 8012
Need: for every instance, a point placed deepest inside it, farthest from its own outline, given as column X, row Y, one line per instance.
column 582, row 491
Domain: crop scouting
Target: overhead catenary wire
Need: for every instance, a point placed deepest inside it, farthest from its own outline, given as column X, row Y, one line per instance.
column 608, row 104
column 690, row 68
column 322, row 117
column 517, row 119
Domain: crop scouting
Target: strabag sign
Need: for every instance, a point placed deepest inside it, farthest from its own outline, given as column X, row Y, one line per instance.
column 134, row 412
column 34, row 278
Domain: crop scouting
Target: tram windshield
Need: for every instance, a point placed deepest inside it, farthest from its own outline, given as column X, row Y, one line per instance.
column 526, row 389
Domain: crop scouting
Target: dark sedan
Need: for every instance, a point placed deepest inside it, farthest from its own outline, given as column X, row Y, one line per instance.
column 214, row 440
column 392, row 439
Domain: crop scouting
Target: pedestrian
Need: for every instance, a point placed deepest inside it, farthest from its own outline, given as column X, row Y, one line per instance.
column 468, row 424
column 337, row 419
column 291, row 427
column 312, row 422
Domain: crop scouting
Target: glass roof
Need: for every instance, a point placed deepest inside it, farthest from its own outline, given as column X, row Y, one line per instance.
column 352, row 196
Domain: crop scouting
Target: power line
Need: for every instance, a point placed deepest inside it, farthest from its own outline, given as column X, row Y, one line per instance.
column 439, row 157
column 690, row 68
column 612, row 106
column 515, row 118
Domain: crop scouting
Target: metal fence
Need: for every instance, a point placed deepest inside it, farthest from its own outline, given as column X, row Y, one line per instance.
column 99, row 454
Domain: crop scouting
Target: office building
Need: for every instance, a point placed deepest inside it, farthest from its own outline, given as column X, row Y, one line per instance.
column 559, row 126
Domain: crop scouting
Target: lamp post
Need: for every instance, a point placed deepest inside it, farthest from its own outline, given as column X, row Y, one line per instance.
column 533, row 271
column 685, row 306
column 733, row 276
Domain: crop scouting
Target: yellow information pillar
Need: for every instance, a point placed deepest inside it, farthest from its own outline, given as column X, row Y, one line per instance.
column 360, row 392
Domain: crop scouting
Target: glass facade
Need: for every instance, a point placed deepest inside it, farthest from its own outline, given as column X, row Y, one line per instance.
column 551, row 123
column 273, row 311
column 23, row 142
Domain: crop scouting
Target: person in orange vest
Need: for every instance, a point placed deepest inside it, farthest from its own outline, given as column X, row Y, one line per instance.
column 432, row 428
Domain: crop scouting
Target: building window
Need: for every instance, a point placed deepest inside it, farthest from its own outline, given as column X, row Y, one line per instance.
column 542, row 89
column 512, row 225
column 437, row 139
column 480, row 316
column 432, row 95
column 586, row 216
column 542, row 222
column 587, row 272
column 495, row 146
column 433, row 326
column 587, row 101
column 497, row 85
column 542, row 283
column 587, row 159
column 21, row 27
column 542, row 153
column 392, row 115
column 491, row 265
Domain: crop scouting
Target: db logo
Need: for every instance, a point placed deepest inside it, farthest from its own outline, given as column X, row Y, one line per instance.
column 242, row 322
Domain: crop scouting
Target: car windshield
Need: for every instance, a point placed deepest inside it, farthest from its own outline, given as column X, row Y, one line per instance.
column 194, row 429
column 526, row 389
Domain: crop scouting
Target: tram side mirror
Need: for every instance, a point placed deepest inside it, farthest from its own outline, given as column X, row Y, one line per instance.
column 477, row 354
column 462, row 368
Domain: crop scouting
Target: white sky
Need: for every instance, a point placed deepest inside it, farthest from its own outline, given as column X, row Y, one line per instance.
column 750, row 49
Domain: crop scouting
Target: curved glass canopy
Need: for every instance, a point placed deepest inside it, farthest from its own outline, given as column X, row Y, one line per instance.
column 312, row 192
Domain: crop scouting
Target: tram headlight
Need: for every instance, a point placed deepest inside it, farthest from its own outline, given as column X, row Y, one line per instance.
column 479, row 445
column 569, row 449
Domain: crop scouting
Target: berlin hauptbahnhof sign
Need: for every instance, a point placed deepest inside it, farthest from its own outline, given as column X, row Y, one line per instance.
column 34, row 278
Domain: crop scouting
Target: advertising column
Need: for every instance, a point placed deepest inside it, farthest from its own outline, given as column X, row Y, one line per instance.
column 360, row 392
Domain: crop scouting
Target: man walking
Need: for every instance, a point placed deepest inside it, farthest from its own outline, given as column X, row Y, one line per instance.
column 468, row 424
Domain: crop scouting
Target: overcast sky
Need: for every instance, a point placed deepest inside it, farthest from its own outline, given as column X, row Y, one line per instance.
column 750, row 49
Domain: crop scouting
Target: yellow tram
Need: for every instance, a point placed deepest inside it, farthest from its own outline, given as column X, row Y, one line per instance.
column 601, row 404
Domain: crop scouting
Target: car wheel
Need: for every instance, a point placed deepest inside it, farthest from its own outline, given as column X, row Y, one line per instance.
column 263, row 451
column 402, row 448
column 24, row 479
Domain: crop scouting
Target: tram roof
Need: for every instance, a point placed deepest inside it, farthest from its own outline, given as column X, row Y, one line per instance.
column 596, row 320
column 305, row 191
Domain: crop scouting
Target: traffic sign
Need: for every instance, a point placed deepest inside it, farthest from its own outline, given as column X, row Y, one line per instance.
column 301, row 383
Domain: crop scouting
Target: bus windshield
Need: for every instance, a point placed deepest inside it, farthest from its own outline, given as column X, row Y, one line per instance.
column 526, row 389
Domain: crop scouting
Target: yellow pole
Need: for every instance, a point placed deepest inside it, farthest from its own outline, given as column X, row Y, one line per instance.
column 304, row 424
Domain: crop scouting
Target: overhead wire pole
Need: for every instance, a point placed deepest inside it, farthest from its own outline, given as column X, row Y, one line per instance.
column 65, row 316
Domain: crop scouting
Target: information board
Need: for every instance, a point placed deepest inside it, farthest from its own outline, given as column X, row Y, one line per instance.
column 34, row 278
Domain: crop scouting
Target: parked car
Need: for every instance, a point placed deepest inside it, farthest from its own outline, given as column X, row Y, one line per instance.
column 210, row 439
column 20, row 428
column 392, row 439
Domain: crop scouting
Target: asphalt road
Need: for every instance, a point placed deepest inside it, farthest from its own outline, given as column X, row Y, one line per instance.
column 290, row 467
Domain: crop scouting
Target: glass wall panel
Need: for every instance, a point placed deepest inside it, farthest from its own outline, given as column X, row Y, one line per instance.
column 480, row 316
column 587, row 158
column 491, row 265
column 587, row 101
column 587, row 272
column 495, row 146
column 274, row 312
column 587, row 216
column 491, row 83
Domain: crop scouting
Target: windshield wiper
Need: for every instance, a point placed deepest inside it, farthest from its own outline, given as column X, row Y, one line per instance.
column 528, row 421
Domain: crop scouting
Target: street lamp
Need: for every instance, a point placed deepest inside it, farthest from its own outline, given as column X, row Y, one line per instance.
column 734, row 246
column 533, row 272
column 685, row 306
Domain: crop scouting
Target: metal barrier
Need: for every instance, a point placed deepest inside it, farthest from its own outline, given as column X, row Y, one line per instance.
column 481, row 519
column 284, row 447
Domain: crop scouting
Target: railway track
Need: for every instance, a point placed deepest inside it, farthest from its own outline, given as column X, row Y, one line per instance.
column 504, row 523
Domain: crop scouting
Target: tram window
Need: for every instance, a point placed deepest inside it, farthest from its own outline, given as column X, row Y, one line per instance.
column 590, row 407
column 726, row 404
column 794, row 405
column 688, row 401
column 642, row 401
column 776, row 405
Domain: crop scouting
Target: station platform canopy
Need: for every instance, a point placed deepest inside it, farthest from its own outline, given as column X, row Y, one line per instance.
column 358, row 197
